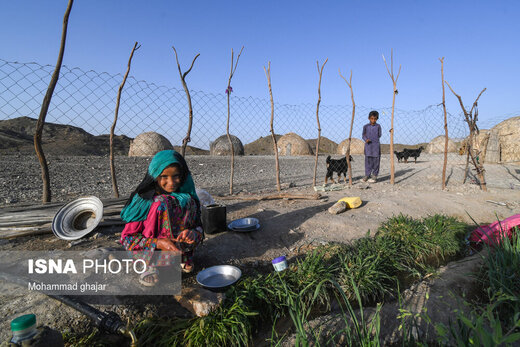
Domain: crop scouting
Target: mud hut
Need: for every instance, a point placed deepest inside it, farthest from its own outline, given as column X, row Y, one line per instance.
column 147, row 144
column 221, row 146
column 480, row 144
column 357, row 146
column 504, row 142
column 436, row 145
column 293, row 144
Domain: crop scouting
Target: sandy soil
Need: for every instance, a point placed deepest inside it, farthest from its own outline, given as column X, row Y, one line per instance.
column 287, row 226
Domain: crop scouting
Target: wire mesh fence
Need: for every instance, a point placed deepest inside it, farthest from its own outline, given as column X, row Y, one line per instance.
column 86, row 100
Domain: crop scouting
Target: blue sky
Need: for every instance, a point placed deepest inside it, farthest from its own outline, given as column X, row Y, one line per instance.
column 479, row 40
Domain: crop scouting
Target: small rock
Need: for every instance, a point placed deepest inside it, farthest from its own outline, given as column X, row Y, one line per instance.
column 292, row 232
column 199, row 301
column 99, row 253
column 96, row 236
column 338, row 207
column 260, row 210
column 75, row 243
column 287, row 185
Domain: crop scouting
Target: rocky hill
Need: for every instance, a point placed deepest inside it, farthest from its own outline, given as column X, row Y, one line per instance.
column 16, row 136
column 326, row 145
column 262, row 146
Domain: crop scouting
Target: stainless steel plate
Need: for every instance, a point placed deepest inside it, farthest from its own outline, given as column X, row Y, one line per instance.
column 256, row 227
column 77, row 218
column 244, row 224
column 219, row 276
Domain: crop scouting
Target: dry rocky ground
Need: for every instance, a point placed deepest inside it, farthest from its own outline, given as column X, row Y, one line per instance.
column 288, row 226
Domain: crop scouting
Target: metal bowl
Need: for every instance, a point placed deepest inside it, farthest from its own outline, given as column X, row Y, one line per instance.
column 244, row 224
column 219, row 276
column 77, row 218
column 256, row 227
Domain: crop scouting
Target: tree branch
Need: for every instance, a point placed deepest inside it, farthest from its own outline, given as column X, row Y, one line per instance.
column 476, row 101
column 187, row 138
column 112, row 128
column 46, row 196
column 320, row 72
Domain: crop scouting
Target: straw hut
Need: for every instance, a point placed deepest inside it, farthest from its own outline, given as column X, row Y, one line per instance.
column 504, row 142
column 357, row 146
column 221, row 146
column 437, row 145
column 293, row 144
column 148, row 144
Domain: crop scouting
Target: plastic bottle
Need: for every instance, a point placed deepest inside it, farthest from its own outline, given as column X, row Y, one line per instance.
column 23, row 328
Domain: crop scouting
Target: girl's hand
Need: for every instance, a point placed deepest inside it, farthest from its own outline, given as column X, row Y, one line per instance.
column 188, row 236
column 166, row 245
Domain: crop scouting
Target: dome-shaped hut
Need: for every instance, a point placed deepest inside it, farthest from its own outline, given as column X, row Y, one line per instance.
column 357, row 146
column 147, row 144
column 221, row 146
column 293, row 144
column 504, row 142
column 437, row 145
column 480, row 144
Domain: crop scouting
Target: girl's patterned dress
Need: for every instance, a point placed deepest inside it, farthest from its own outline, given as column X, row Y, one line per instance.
column 166, row 219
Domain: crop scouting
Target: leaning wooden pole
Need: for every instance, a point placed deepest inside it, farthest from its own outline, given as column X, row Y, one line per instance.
column 466, row 168
column 471, row 118
column 187, row 138
column 46, row 195
column 347, row 154
column 275, row 144
column 445, row 164
column 113, row 127
column 394, row 82
column 228, row 92
column 320, row 72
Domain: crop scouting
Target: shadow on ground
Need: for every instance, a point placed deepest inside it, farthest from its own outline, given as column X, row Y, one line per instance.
column 277, row 232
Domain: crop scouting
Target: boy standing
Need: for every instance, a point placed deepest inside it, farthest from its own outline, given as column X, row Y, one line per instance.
column 371, row 135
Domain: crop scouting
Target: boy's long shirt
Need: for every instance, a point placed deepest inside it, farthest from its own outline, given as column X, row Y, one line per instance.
column 372, row 132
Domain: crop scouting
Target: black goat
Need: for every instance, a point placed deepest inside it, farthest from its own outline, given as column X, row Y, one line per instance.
column 337, row 165
column 401, row 156
column 415, row 153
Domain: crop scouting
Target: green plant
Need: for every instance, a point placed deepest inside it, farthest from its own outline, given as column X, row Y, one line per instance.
column 364, row 272
column 162, row 332
column 364, row 268
column 91, row 339
column 496, row 322
column 410, row 322
column 357, row 331
column 423, row 243
column 229, row 325
column 481, row 327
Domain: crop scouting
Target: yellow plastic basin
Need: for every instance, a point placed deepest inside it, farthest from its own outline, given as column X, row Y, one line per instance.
column 352, row 202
